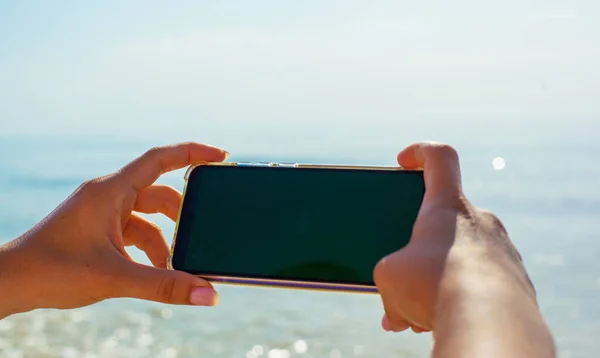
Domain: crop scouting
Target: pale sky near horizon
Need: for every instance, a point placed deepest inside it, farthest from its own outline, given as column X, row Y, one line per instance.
column 75, row 66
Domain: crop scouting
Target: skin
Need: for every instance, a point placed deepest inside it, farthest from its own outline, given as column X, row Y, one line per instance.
column 460, row 276
column 76, row 256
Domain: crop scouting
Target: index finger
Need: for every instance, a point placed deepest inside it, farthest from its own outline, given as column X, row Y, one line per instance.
column 146, row 169
column 440, row 164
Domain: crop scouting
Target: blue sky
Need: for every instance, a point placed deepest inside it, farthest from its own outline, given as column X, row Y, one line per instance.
column 158, row 66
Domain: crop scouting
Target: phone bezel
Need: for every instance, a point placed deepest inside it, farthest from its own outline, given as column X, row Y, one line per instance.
column 276, row 283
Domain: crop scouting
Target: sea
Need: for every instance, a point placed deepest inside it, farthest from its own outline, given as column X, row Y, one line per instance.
column 542, row 178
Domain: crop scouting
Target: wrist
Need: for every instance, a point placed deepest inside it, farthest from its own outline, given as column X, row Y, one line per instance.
column 486, row 297
column 11, row 280
column 482, row 268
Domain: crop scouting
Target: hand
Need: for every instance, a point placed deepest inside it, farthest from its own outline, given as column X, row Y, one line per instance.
column 76, row 256
column 449, row 233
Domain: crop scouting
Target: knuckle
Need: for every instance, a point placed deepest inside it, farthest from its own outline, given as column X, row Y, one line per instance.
column 153, row 152
column 530, row 283
column 166, row 192
column 444, row 150
column 156, row 228
column 90, row 187
column 385, row 272
column 171, row 190
column 145, row 243
column 150, row 237
column 496, row 227
column 380, row 272
column 155, row 155
column 166, row 290
column 492, row 220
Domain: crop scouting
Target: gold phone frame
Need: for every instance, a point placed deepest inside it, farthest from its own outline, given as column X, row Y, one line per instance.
column 273, row 283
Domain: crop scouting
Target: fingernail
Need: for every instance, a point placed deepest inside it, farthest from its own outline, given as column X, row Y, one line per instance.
column 204, row 296
column 385, row 324
column 226, row 155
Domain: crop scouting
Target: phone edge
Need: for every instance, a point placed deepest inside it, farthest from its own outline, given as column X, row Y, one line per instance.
column 290, row 284
column 298, row 166
column 256, row 282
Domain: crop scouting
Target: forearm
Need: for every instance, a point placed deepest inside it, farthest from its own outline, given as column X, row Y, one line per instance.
column 9, row 281
column 486, row 308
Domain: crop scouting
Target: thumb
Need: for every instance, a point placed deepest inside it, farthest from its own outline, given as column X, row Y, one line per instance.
column 440, row 164
column 166, row 286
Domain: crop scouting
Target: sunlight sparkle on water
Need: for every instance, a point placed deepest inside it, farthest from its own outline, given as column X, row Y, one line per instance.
column 300, row 346
column 279, row 353
column 358, row 350
column 255, row 352
column 499, row 163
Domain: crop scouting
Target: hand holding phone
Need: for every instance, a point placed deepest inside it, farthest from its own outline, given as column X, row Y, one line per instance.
column 460, row 262
column 77, row 256
column 295, row 226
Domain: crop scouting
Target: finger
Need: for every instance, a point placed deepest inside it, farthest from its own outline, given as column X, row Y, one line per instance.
column 165, row 286
column 398, row 325
column 144, row 171
column 418, row 329
column 440, row 164
column 415, row 329
column 148, row 237
column 159, row 199
column 398, row 286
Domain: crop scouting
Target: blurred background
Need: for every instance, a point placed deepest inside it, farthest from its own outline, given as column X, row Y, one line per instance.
column 85, row 87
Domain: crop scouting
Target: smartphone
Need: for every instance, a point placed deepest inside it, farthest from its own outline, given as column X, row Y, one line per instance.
column 294, row 225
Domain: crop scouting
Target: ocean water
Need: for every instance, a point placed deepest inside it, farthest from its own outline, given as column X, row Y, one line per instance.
column 548, row 196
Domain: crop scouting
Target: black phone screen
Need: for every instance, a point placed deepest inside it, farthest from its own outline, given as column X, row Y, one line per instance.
column 295, row 224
